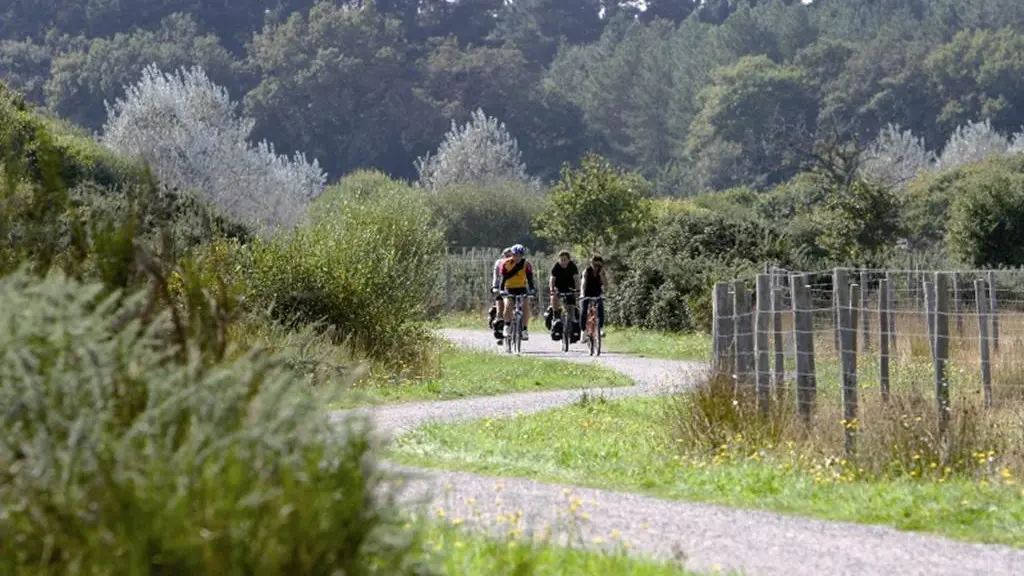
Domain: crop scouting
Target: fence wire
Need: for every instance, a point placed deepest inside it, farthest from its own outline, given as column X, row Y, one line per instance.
column 915, row 345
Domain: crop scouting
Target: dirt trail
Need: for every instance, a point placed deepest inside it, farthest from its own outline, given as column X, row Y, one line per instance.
column 708, row 536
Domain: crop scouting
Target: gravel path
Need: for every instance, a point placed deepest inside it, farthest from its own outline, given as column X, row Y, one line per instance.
column 706, row 537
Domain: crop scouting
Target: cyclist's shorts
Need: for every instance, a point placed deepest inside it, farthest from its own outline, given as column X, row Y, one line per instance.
column 517, row 291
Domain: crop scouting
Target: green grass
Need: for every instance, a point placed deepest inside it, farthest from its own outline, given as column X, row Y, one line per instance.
column 463, row 320
column 633, row 341
column 651, row 344
column 465, row 373
column 458, row 551
column 622, row 445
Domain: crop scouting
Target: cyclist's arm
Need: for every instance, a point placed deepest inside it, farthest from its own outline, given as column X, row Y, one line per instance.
column 551, row 278
column 529, row 277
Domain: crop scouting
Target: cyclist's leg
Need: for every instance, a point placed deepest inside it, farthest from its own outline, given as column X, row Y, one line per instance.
column 600, row 315
column 509, row 307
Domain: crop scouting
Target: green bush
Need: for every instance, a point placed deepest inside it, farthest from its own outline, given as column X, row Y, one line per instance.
column 65, row 201
column 366, row 267
column 81, row 158
column 986, row 216
column 495, row 216
column 120, row 455
column 665, row 280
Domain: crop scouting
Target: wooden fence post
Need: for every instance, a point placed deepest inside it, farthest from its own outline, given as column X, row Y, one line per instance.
column 942, row 348
column 723, row 327
column 840, row 298
column 762, row 329
column 993, row 310
column 929, row 312
column 986, row 360
column 957, row 306
column 803, row 335
column 744, row 334
column 777, row 336
column 883, row 339
column 849, row 299
column 864, row 307
column 890, row 282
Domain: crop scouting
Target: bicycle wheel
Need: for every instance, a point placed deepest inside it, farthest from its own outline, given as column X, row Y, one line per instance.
column 508, row 339
column 518, row 342
column 566, row 329
column 591, row 325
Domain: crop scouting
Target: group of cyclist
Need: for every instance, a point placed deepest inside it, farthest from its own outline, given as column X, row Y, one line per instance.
column 513, row 275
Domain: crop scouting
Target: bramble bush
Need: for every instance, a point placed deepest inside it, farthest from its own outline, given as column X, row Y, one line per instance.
column 366, row 267
column 121, row 451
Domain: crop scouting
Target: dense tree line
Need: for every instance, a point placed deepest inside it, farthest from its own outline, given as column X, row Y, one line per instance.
column 693, row 94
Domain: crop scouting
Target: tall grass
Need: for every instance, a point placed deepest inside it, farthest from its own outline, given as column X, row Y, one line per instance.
column 122, row 451
column 898, row 438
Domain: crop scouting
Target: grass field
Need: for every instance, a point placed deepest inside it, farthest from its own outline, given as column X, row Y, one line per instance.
column 457, row 551
column 625, row 445
column 464, row 373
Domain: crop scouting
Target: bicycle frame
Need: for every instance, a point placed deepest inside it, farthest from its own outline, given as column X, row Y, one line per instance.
column 568, row 316
column 515, row 341
column 593, row 323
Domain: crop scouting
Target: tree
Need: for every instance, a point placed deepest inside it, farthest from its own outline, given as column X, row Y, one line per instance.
column 186, row 127
column 970, row 143
column 595, row 205
column 895, row 158
column 986, row 216
column 82, row 80
column 979, row 74
column 341, row 84
column 480, row 152
column 858, row 223
column 753, row 123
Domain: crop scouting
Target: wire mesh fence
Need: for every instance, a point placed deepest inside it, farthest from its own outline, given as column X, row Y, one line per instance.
column 849, row 342
column 465, row 284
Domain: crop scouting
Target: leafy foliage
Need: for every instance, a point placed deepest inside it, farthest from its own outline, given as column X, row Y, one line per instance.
column 970, row 143
column 986, row 211
column 895, row 157
column 666, row 279
column 364, row 267
column 106, row 419
column 495, row 215
column 185, row 126
column 479, row 153
column 595, row 205
column 859, row 223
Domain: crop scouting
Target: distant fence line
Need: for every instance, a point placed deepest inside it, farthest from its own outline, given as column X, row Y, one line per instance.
column 465, row 283
column 965, row 327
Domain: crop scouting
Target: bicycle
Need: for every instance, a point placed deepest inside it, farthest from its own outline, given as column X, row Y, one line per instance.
column 514, row 343
column 593, row 327
column 568, row 316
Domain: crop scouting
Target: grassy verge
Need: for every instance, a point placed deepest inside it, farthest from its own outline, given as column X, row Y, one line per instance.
column 466, row 373
column 621, row 445
column 651, row 344
column 457, row 551
column 633, row 341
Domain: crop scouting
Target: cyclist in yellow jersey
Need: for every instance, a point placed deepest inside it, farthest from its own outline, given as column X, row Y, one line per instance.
column 517, row 279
